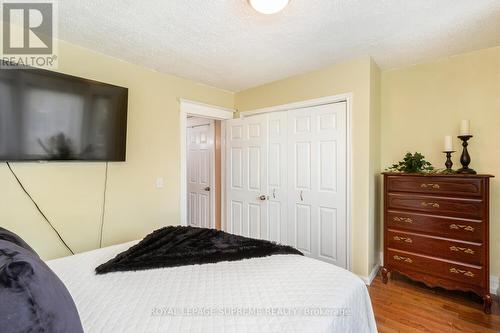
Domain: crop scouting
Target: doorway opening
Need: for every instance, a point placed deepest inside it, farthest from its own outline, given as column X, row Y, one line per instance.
column 203, row 162
column 202, row 137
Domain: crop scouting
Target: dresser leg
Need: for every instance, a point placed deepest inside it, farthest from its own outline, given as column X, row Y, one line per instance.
column 384, row 275
column 487, row 303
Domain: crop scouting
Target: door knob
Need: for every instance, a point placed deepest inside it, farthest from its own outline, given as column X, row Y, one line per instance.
column 263, row 197
column 207, row 188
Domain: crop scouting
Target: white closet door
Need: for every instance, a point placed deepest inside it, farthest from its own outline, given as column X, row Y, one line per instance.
column 200, row 134
column 277, row 178
column 317, row 181
column 246, row 171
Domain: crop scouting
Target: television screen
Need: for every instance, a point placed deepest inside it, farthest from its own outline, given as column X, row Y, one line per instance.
column 47, row 116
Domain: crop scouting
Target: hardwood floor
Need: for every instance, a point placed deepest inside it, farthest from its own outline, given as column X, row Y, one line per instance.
column 406, row 306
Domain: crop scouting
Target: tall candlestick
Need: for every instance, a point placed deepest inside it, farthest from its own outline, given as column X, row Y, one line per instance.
column 465, row 128
column 448, row 143
column 465, row 158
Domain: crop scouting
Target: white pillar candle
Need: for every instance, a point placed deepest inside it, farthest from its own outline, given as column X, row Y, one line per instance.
column 465, row 127
column 448, row 143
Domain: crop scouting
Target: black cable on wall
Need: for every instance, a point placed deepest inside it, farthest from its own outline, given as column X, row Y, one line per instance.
column 38, row 208
column 103, row 204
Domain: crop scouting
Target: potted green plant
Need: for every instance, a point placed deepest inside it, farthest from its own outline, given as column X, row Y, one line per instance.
column 412, row 163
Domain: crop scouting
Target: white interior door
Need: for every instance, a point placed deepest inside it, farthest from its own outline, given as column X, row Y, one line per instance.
column 246, row 170
column 277, row 178
column 200, row 145
column 317, row 160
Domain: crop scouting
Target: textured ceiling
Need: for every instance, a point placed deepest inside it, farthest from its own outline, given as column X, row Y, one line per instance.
column 226, row 44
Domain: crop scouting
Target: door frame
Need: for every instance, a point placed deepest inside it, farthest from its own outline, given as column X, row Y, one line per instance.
column 347, row 98
column 197, row 109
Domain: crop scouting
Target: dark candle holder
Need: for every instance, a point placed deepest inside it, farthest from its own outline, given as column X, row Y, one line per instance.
column 449, row 162
column 465, row 158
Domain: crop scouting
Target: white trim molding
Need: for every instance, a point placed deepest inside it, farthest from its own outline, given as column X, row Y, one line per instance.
column 302, row 104
column 205, row 110
column 193, row 108
column 494, row 284
column 373, row 274
column 347, row 98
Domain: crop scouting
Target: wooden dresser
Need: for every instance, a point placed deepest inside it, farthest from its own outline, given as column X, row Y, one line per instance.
column 436, row 230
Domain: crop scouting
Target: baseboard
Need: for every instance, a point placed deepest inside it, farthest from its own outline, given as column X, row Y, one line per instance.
column 369, row 279
column 494, row 284
column 494, row 280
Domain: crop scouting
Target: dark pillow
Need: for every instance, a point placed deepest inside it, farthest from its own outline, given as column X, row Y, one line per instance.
column 13, row 238
column 32, row 298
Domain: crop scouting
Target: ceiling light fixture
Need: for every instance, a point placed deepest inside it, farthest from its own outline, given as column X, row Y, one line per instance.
column 269, row 6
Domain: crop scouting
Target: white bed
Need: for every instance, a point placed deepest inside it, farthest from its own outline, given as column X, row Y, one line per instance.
column 164, row 300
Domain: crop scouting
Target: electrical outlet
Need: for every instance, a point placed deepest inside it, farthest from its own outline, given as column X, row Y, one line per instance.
column 160, row 182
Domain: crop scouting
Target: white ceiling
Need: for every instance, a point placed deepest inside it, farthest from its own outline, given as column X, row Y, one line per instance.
column 226, row 44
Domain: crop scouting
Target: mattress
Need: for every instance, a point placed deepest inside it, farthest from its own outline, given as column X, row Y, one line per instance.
column 280, row 293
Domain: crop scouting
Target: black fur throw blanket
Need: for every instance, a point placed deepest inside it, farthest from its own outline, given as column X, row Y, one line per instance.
column 180, row 246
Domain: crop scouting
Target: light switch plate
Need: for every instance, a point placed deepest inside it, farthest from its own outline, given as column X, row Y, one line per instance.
column 160, row 182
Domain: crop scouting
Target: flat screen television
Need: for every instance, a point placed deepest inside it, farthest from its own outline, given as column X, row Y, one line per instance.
column 48, row 116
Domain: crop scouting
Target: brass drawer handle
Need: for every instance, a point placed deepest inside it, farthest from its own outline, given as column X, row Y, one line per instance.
column 405, row 239
column 461, row 271
column 430, row 204
column 402, row 219
column 461, row 227
column 400, row 258
column 432, row 186
column 463, row 249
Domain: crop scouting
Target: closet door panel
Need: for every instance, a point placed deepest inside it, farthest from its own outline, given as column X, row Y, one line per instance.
column 277, row 178
column 287, row 179
column 327, row 233
column 236, row 217
column 317, row 168
column 246, row 166
column 302, row 165
column 275, row 220
column 303, row 227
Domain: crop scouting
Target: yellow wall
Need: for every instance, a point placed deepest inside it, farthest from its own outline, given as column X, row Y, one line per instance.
column 423, row 103
column 409, row 109
column 71, row 193
column 355, row 77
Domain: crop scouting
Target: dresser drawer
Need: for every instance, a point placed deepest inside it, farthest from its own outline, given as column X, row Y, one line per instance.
column 472, row 208
column 469, row 253
column 402, row 260
column 449, row 227
column 437, row 185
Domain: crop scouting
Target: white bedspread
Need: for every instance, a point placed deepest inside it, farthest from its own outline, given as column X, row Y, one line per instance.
column 281, row 293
